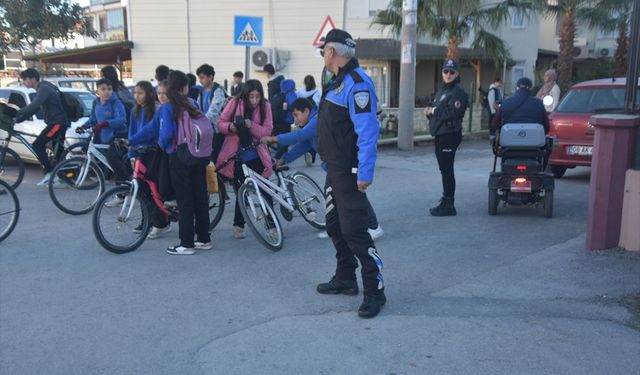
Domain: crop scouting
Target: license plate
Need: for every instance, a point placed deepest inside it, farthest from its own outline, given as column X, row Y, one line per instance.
column 580, row 150
column 520, row 187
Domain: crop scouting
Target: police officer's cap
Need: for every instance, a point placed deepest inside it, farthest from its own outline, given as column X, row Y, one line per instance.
column 524, row 83
column 450, row 64
column 339, row 36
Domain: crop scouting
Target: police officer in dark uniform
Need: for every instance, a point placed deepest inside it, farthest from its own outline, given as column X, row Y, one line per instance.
column 347, row 136
column 445, row 123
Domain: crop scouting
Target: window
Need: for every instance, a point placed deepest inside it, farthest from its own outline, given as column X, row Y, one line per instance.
column 518, row 19
column 593, row 100
column 517, row 72
column 379, row 75
column 115, row 19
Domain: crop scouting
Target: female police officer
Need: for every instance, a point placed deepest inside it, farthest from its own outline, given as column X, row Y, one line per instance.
column 445, row 123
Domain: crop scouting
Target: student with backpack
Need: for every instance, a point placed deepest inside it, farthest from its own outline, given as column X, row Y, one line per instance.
column 49, row 99
column 212, row 96
column 244, row 121
column 109, row 124
column 186, row 136
column 283, row 117
column 119, row 89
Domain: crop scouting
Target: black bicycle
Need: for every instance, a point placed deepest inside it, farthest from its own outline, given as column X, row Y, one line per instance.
column 9, row 210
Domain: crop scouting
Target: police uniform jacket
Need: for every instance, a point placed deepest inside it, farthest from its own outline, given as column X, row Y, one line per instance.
column 450, row 104
column 348, row 128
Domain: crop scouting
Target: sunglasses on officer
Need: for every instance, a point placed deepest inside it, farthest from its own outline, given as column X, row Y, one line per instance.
column 449, row 71
column 322, row 51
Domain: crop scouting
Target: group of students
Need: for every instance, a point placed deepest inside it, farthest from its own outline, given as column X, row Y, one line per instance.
column 244, row 124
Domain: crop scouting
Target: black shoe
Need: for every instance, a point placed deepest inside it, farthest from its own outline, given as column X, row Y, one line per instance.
column 335, row 286
column 372, row 304
column 445, row 208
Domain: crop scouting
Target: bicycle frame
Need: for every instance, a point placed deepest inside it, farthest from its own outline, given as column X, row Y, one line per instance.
column 139, row 176
column 18, row 136
column 275, row 191
column 93, row 151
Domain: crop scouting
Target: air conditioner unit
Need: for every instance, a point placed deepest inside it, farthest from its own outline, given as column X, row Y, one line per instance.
column 605, row 52
column 263, row 56
column 580, row 51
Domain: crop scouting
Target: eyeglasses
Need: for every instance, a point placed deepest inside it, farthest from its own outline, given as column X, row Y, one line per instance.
column 448, row 71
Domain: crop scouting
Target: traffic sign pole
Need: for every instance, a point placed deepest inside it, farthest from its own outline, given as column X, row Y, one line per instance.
column 247, row 57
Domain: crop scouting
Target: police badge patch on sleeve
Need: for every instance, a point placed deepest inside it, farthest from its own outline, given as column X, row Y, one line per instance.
column 363, row 101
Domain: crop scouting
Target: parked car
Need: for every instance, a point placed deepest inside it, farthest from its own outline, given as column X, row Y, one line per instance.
column 79, row 83
column 570, row 121
column 22, row 96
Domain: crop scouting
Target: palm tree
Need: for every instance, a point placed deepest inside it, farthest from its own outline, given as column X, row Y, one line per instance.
column 611, row 16
column 455, row 20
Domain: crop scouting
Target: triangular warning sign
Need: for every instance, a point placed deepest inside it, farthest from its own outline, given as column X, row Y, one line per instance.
column 327, row 26
column 248, row 35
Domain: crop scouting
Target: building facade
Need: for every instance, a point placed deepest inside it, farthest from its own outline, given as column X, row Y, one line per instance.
column 186, row 34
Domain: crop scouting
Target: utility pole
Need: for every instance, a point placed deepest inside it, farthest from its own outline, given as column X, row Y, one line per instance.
column 407, row 74
column 633, row 72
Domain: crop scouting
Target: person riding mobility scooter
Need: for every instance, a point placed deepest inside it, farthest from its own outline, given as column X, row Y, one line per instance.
column 523, row 147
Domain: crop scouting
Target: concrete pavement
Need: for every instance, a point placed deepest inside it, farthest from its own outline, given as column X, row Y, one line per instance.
column 472, row 294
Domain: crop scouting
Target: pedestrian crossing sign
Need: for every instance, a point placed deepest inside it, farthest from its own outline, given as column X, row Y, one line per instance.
column 247, row 31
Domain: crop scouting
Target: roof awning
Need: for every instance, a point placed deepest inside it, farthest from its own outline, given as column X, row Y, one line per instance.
column 389, row 49
column 547, row 52
column 103, row 54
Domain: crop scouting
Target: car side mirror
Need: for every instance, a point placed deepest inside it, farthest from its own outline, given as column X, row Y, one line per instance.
column 547, row 100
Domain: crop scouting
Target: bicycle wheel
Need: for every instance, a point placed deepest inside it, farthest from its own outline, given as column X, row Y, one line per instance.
column 76, row 186
column 309, row 199
column 11, row 167
column 9, row 210
column 265, row 226
column 216, row 205
column 115, row 229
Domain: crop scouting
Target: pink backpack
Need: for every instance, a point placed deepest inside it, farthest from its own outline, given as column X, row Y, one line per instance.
column 194, row 140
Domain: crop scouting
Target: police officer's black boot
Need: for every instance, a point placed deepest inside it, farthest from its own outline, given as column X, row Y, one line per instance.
column 445, row 208
column 336, row 286
column 372, row 303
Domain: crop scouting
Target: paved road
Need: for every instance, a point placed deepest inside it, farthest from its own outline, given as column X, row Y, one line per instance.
column 471, row 294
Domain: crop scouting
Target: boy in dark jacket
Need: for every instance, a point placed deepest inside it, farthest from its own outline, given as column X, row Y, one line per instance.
column 48, row 98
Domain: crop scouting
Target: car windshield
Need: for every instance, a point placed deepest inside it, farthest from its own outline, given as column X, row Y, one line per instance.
column 85, row 98
column 593, row 99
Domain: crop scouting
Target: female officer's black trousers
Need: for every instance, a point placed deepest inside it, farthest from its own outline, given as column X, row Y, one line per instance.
column 446, row 147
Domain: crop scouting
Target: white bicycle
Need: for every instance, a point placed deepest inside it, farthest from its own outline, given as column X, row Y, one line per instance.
column 294, row 192
column 77, row 183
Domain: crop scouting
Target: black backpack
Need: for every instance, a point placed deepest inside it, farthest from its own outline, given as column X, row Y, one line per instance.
column 71, row 106
column 127, row 100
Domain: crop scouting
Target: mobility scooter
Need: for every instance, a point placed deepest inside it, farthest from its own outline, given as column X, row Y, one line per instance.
column 521, row 180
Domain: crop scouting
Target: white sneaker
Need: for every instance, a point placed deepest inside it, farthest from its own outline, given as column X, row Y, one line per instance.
column 115, row 201
column 203, row 245
column 322, row 235
column 45, row 180
column 238, row 233
column 158, row 232
column 375, row 233
column 180, row 250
